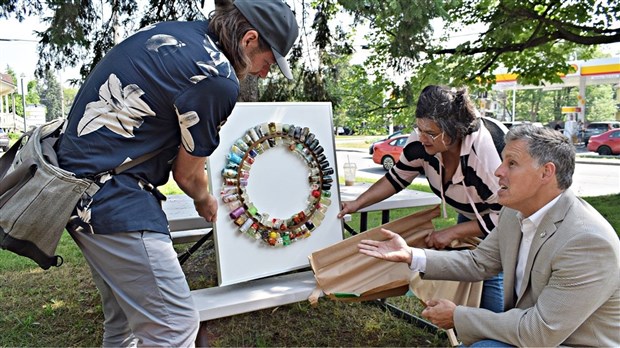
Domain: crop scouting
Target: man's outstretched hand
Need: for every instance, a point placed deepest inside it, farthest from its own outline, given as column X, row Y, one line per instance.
column 394, row 248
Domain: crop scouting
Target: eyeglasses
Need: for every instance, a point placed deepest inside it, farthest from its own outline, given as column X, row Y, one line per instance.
column 421, row 133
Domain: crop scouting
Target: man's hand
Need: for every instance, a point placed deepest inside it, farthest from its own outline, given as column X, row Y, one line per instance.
column 207, row 208
column 393, row 249
column 440, row 313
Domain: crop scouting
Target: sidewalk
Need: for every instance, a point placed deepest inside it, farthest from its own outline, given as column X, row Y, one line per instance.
column 586, row 157
column 597, row 159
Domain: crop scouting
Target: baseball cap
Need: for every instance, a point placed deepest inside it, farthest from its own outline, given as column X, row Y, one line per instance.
column 275, row 22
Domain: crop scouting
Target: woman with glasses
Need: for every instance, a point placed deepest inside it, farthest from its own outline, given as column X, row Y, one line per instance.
column 458, row 152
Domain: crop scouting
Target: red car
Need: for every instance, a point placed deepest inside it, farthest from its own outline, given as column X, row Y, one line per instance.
column 387, row 152
column 607, row 143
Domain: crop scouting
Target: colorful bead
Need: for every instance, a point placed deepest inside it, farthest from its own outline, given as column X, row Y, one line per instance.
column 233, row 158
column 237, row 151
column 241, row 220
column 304, row 134
column 313, row 144
column 236, row 213
column 286, row 239
column 241, row 145
column 318, row 150
column 228, row 190
column 229, row 173
column 230, row 198
column 253, row 134
column 246, row 225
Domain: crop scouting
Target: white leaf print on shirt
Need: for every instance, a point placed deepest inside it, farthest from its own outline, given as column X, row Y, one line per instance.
column 155, row 42
column 197, row 78
column 119, row 109
column 84, row 215
column 206, row 67
column 187, row 120
column 219, row 60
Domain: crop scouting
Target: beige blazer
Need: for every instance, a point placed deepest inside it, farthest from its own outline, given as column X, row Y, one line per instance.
column 571, row 286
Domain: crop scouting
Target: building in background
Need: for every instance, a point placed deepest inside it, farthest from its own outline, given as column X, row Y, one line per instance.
column 8, row 120
column 35, row 115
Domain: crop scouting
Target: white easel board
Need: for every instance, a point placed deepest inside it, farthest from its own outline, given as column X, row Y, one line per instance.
column 278, row 184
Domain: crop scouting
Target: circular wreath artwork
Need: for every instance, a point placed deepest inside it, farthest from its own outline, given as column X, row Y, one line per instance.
column 276, row 231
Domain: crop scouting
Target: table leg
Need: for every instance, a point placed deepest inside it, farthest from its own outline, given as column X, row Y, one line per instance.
column 363, row 221
column 385, row 217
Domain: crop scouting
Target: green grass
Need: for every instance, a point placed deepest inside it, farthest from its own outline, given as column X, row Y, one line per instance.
column 61, row 307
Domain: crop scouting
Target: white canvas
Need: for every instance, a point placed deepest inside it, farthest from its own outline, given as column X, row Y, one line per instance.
column 278, row 184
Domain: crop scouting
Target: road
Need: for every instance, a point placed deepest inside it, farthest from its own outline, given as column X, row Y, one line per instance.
column 589, row 179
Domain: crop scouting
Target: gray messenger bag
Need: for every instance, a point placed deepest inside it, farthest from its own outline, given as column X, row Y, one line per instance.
column 37, row 197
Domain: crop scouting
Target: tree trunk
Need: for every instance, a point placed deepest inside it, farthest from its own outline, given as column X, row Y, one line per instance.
column 248, row 89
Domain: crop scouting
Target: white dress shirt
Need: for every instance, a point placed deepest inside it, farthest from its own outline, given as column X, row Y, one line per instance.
column 529, row 226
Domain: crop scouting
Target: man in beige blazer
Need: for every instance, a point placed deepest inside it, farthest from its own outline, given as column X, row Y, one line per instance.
column 560, row 257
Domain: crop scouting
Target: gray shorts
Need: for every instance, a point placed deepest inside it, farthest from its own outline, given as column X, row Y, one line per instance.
column 146, row 299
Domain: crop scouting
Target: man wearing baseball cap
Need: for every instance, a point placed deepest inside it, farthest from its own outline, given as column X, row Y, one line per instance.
column 162, row 94
column 275, row 22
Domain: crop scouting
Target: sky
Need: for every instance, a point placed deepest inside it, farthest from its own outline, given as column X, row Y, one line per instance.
column 22, row 56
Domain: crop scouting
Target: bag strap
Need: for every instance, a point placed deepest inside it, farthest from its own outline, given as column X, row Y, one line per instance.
column 127, row 165
column 7, row 159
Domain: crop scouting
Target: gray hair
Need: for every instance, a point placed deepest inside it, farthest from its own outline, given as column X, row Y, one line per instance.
column 451, row 109
column 227, row 22
column 548, row 145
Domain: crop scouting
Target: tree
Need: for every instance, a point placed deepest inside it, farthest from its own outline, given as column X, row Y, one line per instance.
column 529, row 38
column 51, row 96
column 602, row 106
column 32, row 93
column 68, row 98
column 81, row 32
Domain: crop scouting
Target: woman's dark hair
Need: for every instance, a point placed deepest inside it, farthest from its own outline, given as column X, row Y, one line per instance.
column 227, row 22
column 451, row 109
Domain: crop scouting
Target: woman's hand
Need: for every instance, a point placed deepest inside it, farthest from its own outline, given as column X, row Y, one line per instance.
column 439, row 239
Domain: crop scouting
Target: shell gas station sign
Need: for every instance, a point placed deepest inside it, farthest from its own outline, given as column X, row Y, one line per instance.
column 596, row 71
column 570, row 109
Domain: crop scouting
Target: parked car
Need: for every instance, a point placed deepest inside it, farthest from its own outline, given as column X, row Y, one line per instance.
column 343, row 131
column 371, row 149
column 4, row 141
column 596, row 128
column 607, row 143
column 388, row 151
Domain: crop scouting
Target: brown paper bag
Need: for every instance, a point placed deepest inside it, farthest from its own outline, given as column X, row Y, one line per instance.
column 344, row 274
column 461, row 293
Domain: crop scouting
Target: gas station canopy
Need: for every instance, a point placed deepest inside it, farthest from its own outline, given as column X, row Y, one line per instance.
column 590, row 72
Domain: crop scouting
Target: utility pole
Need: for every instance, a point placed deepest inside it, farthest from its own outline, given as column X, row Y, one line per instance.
column 24, row 101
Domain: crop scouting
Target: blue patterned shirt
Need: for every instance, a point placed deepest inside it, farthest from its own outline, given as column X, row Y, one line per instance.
column 167, row 85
